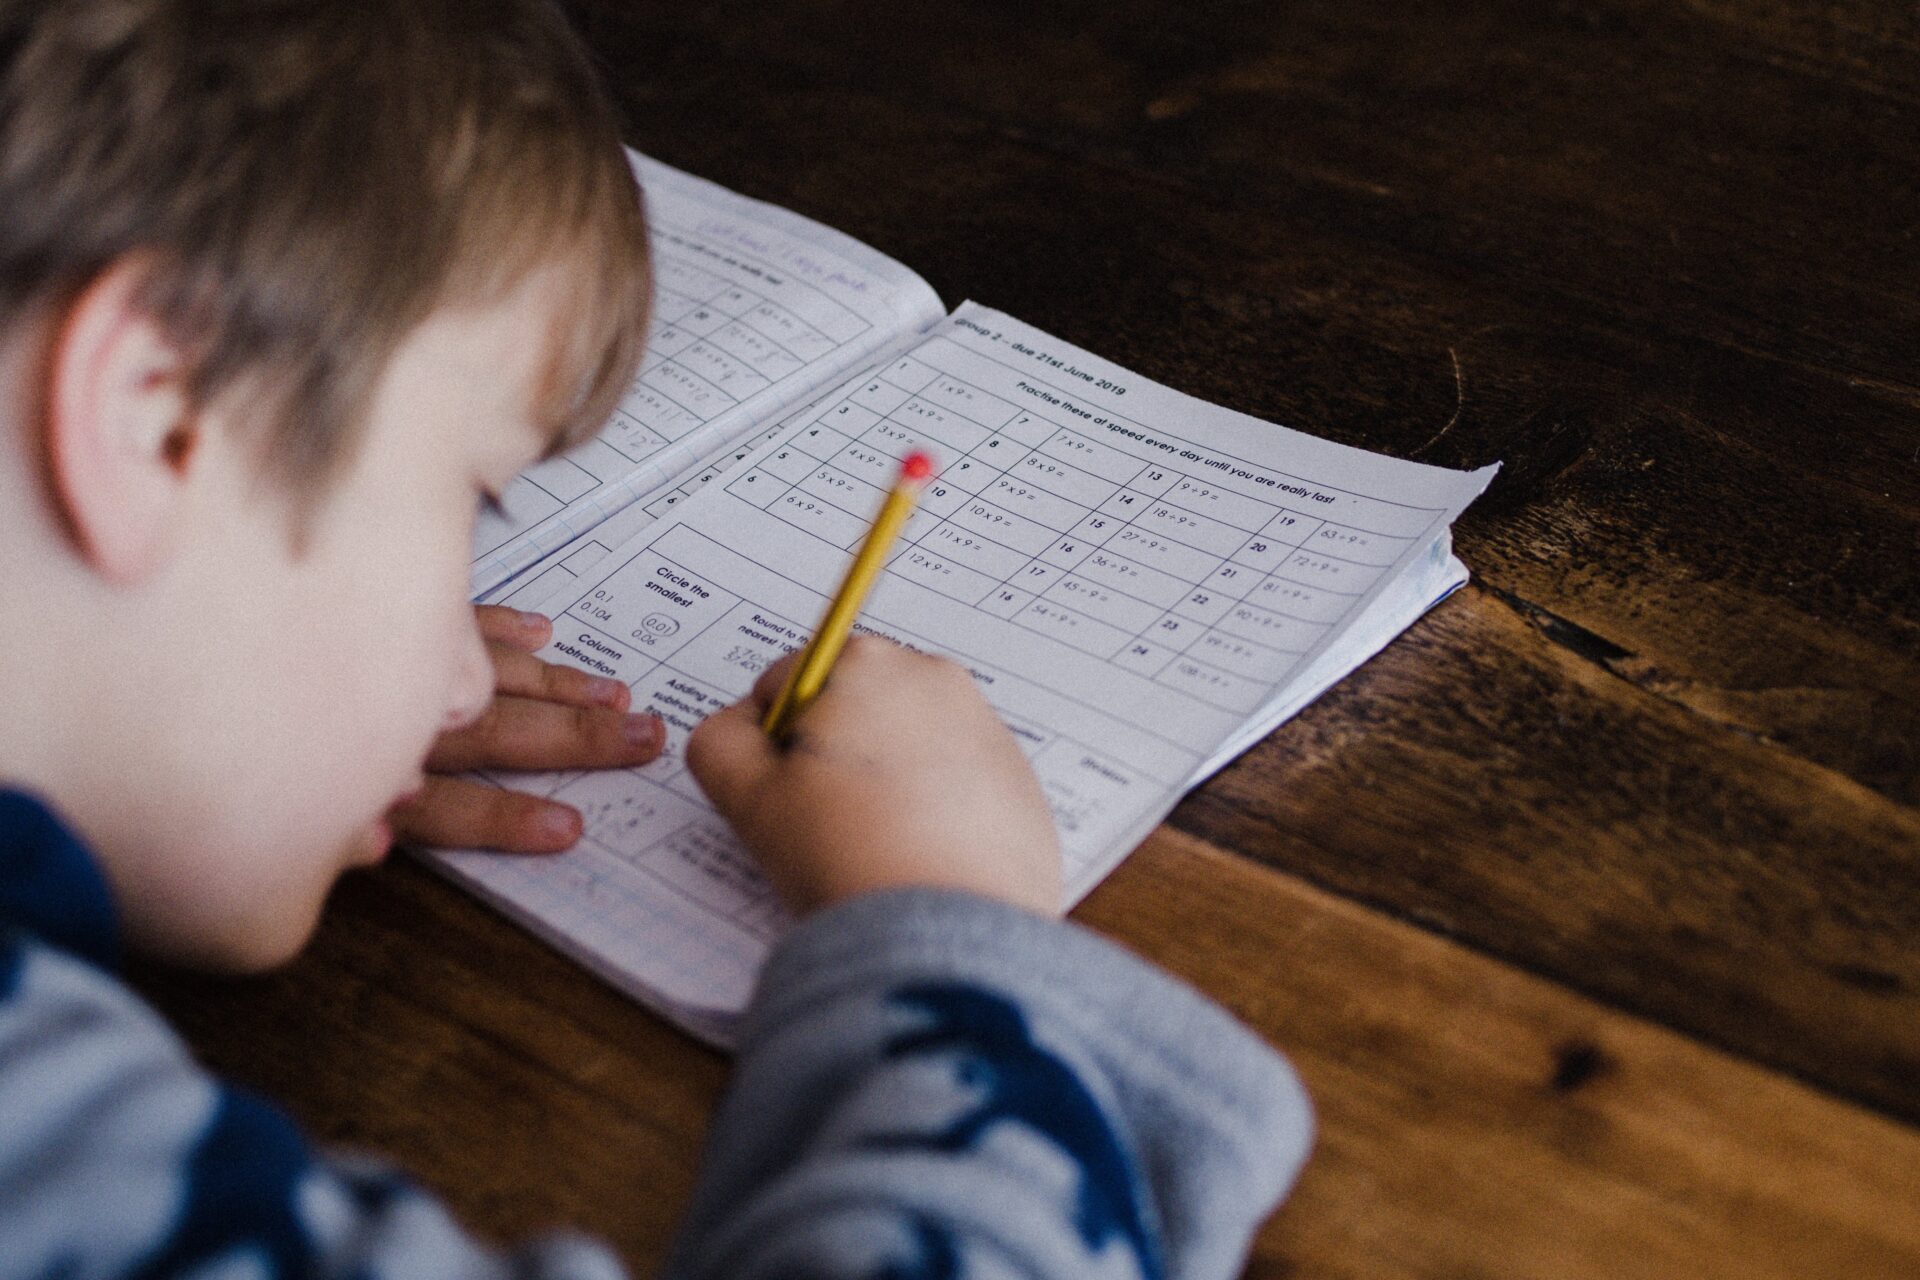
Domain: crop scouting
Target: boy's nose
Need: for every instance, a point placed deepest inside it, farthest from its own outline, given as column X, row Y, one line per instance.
column 472, row 683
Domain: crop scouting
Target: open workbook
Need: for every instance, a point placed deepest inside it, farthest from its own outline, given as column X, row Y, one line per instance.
column 1142, row 584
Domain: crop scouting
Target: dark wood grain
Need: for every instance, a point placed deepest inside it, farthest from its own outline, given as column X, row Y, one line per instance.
column 1473, row 1119
column 1708, row 499
column 1590, row 910
column 1477, row 1121
column 1608, row 838
column 1605, row 243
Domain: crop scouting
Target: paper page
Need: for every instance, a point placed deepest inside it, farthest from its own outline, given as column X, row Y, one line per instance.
column 560, row 568
column 1435, row 575
column 755, row 308
column 1131, row 575
column 550, row 576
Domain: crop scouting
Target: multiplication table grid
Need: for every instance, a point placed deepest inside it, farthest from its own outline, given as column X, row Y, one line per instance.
column 716, row 343
column 1200, row 588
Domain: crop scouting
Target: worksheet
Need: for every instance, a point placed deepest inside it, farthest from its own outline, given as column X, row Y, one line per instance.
column 1139, row 583
column 754, row 307
column 563, row 566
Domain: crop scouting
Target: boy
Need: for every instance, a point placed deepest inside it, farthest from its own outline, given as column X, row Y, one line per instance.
column 285, row 287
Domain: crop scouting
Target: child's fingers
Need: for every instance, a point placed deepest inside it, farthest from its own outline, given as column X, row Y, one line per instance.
column 521, row 675
column 730, row 756
column 526, row 733
column 461, row 814
column 516, row 628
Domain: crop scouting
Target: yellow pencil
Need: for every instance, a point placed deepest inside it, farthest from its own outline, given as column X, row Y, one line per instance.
column 817, row 659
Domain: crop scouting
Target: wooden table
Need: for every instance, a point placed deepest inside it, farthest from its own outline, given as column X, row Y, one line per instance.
column 1588, row 910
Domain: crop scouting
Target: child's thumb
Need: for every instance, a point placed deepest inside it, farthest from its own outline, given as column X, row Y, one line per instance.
column 730, row 756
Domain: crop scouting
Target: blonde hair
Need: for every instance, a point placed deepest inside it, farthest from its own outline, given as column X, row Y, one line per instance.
column 310, row 179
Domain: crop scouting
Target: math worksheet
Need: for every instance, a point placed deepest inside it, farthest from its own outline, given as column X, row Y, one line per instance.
column 1139, row 582
column 753, row 307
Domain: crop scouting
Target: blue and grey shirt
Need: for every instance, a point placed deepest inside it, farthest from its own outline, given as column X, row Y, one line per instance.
column 929, row 1085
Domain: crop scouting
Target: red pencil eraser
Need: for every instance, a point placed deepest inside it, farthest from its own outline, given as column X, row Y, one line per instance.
column 916, row 466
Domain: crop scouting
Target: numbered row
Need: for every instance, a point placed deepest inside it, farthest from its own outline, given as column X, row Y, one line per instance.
column 988, row 540
column 734, row 341
column 1039, row 487
column 691, row 296
column 1211, row 664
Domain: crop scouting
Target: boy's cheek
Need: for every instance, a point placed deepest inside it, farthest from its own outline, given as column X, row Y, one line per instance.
column 268, row 937
column 246, row 925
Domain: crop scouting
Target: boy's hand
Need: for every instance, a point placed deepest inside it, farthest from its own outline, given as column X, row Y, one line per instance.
column 898, row 774
column 542, row 716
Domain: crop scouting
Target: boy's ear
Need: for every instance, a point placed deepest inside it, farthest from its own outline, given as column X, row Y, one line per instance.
column 118, row 426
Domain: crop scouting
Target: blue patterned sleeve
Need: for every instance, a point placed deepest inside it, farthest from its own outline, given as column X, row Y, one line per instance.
column 121, row 1157
column 932, row 1085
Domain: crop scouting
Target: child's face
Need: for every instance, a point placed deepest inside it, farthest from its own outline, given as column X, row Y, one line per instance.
column 318, row 677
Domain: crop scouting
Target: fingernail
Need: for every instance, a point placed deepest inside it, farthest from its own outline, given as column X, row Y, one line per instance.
column 644, row 731
column 608, row 693
column 560, row 825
